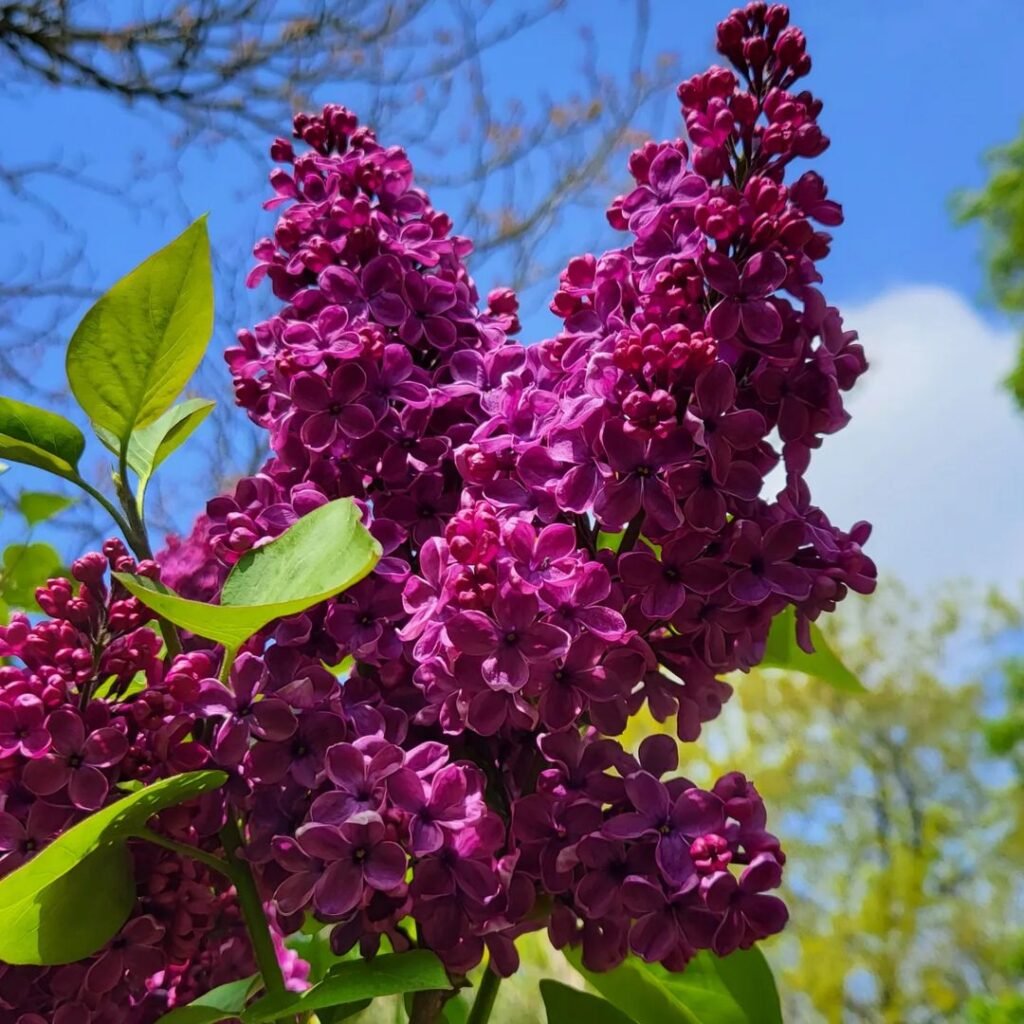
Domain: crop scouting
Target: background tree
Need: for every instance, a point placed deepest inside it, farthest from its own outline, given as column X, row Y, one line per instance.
column 999, row 208
column 207, row 79
column 904, row 832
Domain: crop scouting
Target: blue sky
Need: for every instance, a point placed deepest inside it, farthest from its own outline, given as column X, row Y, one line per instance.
column 915, row 92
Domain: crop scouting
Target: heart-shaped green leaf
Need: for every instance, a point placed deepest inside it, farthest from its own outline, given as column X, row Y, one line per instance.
column 782, row 651
column 38, row 506
column 68, row 901
column 140, row 343
column 321, row 555
column 225, row 1002
column 565, row 1004
column 354, row 981
column 40, row 438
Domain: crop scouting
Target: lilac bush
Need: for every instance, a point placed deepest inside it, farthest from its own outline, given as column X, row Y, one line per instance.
column 569, row 532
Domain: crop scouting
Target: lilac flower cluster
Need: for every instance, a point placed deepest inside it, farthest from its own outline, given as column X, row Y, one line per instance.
column 690, row 363
column 571, row 531
column 85, row 708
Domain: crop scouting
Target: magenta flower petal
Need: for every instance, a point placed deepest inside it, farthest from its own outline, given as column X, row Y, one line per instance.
column 339, row 889
column 384, row 867
column 88, row 788
column 761, row 321
column 46, row 775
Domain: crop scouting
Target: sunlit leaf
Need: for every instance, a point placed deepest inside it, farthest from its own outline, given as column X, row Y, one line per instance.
column 782, row 651
column 72, row 898
column 106, row 689
column 735, row 990
column 140, row 343
column 150, row 446
column 609, row 541
column 354, row 981
column 25, row 568
column 38, row 437
column 321, row 555
column 38, row 506
column 225, row 1002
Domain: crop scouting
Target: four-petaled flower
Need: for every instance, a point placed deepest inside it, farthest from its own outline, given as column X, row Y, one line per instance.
column 745, row 301
column 76, row 760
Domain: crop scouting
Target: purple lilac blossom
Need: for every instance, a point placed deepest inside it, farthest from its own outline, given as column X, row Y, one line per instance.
column 571, row 530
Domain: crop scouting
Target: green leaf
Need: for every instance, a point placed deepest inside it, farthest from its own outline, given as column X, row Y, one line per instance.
column 38, row 506
column 748, row 979
column 782, row 651
column 40, row 438
column 611, row 541
column 67, row 902
column 140, row 343
column 222, row 1003
column 354, row 981
column 5, row 617
column 150, row 446
column 564, row 1004
column 313, row 944
column 336, row 1014
column 75, row 915
column 737, row 989
column 321, row 555
column 633, row 988
column 26, row 567
column 105, row 691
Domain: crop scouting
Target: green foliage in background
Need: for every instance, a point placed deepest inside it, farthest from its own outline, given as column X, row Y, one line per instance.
column 904, row 829
column 999, row 208
column 28, row 564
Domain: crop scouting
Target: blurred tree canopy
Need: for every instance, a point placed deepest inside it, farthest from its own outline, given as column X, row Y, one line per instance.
column 999, row 208
column 508, row 160
column 904, row 830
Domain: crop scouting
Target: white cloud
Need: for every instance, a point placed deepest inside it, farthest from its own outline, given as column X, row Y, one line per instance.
column 934, row 455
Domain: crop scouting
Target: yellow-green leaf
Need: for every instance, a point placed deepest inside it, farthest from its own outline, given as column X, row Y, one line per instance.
column 69, row 900
column 38, row 506
column 782, row 651
column 25, row 568
column 321, row 555
column 140, row 343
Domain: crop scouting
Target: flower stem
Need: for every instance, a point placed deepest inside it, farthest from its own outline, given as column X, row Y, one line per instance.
column 224, row 675
column 427, row 1006
column 138, row 541
column 632, row 534
column 485, row 996
column 100, row 499
column 184, row 850
column 251, row 905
